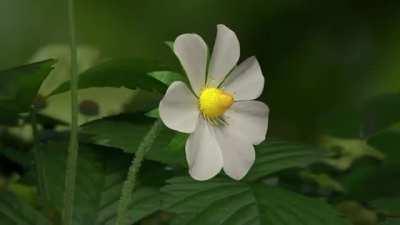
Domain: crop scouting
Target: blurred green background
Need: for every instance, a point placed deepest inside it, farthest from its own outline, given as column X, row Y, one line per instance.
column 317, row 56
column 332, row 74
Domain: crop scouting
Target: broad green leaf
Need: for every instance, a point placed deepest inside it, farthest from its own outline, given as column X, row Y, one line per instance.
column 25, row 192
column 323, row 180
column 387, row 205
column 357, row 213
column 101, row 173
column 227, row 202
column 131, row 74
column 168, row 77
column 88, row 56
column 274, row 156
column 126, row 134
column 15, row 212
column 116, row 101
column 371, row 179
column 19, row 86
column 349, row 151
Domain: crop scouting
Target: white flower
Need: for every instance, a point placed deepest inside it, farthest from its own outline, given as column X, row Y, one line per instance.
column 220, row 114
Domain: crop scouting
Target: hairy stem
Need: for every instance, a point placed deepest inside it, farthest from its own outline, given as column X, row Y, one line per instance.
column 130, row 181
column 70, row 173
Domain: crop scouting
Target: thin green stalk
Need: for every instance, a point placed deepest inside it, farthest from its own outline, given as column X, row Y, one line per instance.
column 40, row 173
column 130, row 182
column 70, row 173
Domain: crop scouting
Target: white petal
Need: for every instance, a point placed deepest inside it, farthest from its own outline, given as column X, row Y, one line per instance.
column 203, row 153
column 192, row 51
column 178, row 108
column 246, row 82
column 225, row 55
column 238, row 154
column 249, row 120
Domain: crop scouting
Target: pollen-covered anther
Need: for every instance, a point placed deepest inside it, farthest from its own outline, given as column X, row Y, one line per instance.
column 214, row 102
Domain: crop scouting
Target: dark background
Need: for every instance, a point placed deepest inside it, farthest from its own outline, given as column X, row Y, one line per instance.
column 331, row 67
column 317, row 56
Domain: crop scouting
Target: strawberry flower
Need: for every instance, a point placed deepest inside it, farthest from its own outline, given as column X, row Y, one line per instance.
column 219, row 111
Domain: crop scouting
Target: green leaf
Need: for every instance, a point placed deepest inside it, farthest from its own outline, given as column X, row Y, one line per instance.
column 357, row 213
column 365, row 180
column 227, row 202
column 168, row 77
column 131, row 74
column 126, row 134
column 19, row 86
column 15, row 212
column 323, row 180
column 99, row 182
column 349, row 150
column 274, row 156
column 116, row 101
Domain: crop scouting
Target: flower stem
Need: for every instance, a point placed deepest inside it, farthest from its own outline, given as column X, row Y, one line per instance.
column 70, row 173
column 130, row 182
column 40, row 173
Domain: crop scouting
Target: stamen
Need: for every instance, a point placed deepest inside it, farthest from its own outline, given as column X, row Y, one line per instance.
column 213, row 103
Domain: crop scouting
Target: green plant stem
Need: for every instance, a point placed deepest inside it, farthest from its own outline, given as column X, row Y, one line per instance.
column 70, row 173
column 40, row 173
column 130, row 182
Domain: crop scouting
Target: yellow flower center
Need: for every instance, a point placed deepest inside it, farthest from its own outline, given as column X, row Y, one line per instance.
column 214, row 102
